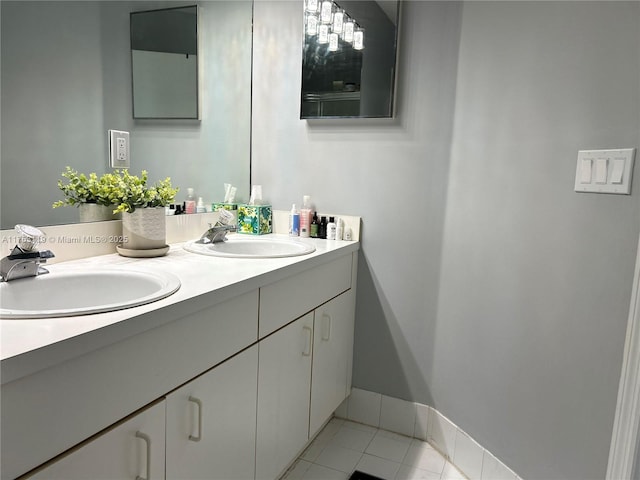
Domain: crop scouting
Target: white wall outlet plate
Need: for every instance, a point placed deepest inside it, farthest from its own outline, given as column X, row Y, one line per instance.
column 605, row 171
column 119, row 149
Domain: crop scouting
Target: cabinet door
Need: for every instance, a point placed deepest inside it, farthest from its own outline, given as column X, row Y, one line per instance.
column 211, row 422
column 332, row 358
column 132, row 449
column 284, row 380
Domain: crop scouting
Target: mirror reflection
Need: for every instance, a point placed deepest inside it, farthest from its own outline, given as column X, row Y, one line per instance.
column 348, row 58
column 66, row 80
column 164, row 63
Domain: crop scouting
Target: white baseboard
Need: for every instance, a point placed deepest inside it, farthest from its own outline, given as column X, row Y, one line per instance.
column 425, row 423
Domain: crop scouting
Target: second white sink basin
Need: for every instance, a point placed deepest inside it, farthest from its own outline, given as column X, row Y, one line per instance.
column 71, row 292
column 238, row 246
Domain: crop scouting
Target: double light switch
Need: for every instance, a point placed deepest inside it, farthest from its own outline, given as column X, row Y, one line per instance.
column 605, row 171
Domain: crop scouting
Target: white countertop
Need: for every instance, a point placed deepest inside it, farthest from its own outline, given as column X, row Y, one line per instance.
column 29, row 345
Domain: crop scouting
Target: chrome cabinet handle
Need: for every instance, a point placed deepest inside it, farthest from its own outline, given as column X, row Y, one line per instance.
column 326, row 333
column 198, row 402
column 147, row 441
column 307, row 350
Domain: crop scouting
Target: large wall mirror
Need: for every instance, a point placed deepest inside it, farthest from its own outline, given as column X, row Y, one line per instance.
column 66, row 80
column 349, row 58
column 164, row 63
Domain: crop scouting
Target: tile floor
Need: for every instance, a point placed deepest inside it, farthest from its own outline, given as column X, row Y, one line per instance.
column 344, row 446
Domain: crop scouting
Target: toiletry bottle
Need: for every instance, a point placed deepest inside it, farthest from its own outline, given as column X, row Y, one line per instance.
column 313, row 228
column 200, row 208
column 322, row 228
column 339, row 229
column 190, row 202
column 331, row 229
column 305, row 217
column 294, row 222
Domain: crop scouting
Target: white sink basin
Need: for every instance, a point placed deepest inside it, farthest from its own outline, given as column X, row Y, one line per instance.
column 70, row 292
column 237, row 246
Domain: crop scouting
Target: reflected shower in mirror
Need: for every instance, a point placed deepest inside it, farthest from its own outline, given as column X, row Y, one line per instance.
column 349, row 58
column 164, row 63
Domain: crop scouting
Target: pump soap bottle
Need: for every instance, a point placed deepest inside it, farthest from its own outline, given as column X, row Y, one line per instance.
column 305, row 217
column 190, row 202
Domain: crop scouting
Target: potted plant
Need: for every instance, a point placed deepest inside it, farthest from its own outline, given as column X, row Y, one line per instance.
column 143, row 212
column 91, row 194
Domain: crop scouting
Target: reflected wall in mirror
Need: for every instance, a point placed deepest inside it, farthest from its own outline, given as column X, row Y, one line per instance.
column 66, row 80
column 349, row 58
column 164, row 63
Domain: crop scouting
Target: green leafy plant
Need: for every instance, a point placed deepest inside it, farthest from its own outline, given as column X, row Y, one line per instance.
column 124, row 191
column 130, row 191
column 81, row 188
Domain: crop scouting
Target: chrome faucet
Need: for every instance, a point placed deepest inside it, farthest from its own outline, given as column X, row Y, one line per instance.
column 218, row 232
column 24, row 260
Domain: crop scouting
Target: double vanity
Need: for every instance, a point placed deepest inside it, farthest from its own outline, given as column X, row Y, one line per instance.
column 229, row 376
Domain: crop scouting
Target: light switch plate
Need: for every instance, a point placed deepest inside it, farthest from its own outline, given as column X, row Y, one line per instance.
column 119, row 149
column 610, row 171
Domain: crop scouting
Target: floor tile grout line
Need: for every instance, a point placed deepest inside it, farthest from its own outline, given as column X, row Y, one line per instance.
column 343, row 423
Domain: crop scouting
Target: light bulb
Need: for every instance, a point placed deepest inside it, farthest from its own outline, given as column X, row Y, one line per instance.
column 326, row 12
column 323, row 34
column 358, row 39
column 349, row 27
column 312, row 5
column 333, row 42
column 312, row 25
column 338, row 22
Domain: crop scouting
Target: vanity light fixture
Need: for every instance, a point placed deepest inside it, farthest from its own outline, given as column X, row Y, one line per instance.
column 332, row 24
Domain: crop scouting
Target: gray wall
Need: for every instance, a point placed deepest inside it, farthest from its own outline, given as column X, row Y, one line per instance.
column 487, row 287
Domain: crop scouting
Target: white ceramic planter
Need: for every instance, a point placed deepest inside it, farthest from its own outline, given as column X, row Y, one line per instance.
column 144, row 229
column 92, row 212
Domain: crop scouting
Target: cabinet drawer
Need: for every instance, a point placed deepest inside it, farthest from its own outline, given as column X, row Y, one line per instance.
column 279, row 304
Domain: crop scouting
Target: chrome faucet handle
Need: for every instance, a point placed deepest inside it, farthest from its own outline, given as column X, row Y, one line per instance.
column 216, row 233
column 29, row 237
column 225, row 217
column 25, row 260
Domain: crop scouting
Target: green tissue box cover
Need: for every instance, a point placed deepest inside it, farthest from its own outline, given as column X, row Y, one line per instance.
column 227, row 206
column 254, row 219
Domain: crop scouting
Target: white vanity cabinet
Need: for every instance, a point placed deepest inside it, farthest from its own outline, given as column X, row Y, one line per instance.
column 305, row 366
column 211, row 423
column 48, row 412
column 209, row 433
column 332, row 358
column 228, row 384
column 284, row 382
column 132, row 449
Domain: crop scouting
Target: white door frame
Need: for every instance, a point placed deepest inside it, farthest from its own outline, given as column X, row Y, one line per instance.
column 627, row 420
